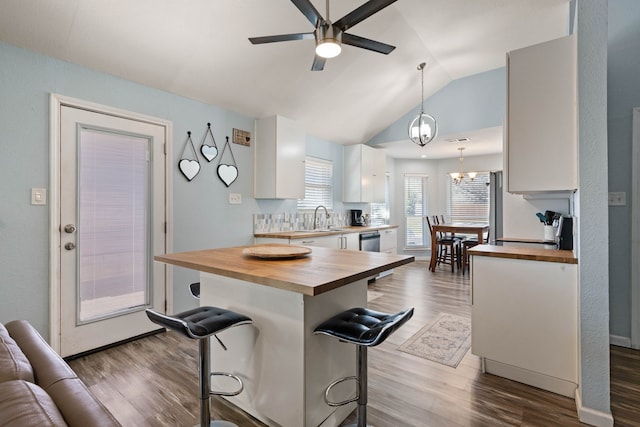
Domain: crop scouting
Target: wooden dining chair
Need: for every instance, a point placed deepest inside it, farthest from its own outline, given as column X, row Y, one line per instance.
column 467, row 244
column 447, row 248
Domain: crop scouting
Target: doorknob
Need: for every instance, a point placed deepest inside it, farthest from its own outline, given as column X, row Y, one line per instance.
column 69, row 246
column 69, row 228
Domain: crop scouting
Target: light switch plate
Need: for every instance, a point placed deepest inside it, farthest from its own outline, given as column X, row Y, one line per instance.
column 618, row 198
column 235, row 198
column 38, row 196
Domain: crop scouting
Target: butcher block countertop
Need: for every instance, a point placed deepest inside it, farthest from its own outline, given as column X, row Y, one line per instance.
column 303, row 234
column 321, row 271
column 533, row 253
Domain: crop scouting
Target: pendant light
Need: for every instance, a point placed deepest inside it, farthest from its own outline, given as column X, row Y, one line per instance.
column 457, row 177
column 423, row 128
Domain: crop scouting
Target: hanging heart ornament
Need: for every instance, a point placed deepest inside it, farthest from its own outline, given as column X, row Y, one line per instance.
column 209, row 151
column 228, row 174
column 189, row 168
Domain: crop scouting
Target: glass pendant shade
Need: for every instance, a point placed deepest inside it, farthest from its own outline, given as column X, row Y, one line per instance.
column 422, row 129
column 328, row 49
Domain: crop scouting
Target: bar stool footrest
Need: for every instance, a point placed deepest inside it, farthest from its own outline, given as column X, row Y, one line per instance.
column 335, row 383
column 226, row 393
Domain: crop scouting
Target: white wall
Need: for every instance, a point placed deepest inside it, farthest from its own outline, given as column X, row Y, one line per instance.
column 437, row 185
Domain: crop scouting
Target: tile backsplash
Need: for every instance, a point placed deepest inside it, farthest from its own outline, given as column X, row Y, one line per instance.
column 267, row 223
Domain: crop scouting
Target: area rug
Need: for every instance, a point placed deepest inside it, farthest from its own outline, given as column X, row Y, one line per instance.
column 444, row 340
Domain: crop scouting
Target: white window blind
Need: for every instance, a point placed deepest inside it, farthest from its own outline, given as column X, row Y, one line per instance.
column 415, row 207
column 318, row 184
column 380, row 211
column 469, row 200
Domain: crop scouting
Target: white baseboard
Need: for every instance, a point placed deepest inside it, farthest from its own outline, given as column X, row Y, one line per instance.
column 620, row 341
column 592, row 416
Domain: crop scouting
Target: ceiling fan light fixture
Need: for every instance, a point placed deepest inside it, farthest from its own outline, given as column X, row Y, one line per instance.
column 328, row 41
column 423, row 128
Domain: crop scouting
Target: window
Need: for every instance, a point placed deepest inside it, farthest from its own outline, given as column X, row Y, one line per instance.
column 380, row 211
column 318, row 184
column 469, row 200
column 415, row 207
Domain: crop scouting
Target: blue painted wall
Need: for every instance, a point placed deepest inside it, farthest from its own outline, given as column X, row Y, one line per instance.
column 202, row 216
column 623, row 94
column 471, row 103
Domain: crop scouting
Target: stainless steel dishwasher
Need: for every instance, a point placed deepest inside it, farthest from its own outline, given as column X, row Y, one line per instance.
column 370, row 241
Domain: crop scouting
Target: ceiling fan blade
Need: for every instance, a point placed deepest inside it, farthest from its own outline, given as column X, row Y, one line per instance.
column 309, row 11
column 360, row 14
column 369, row 44
column 318, row 63
column 281, row 38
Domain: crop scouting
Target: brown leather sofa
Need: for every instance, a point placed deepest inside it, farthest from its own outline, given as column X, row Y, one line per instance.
column 38, row 388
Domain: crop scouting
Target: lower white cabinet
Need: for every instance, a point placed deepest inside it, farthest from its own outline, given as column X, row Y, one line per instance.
column 350, row 241
column 525, row 321
column 389, row 241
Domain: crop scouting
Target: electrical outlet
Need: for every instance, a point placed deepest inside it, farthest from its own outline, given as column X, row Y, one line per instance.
column 618, row 199
column 38, row 196
column 235, row 198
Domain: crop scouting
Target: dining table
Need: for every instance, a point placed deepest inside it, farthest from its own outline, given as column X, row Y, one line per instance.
column 454, row 228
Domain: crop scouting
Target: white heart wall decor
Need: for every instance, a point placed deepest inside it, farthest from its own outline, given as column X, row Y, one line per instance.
column 209, row 152
column 189, row 168
column 227, row 174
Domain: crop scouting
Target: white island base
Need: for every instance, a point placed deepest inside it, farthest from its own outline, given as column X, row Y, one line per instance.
column 284, row 366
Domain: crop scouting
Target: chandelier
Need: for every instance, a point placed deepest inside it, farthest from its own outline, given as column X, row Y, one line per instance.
column 423, row 128
column 457, row 177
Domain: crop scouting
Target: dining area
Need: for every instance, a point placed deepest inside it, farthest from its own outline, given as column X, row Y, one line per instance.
column 450, row 241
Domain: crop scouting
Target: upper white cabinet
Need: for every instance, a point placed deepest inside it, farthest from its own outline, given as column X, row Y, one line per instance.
column 364, row 174
column 279, row 159
column 541, row 131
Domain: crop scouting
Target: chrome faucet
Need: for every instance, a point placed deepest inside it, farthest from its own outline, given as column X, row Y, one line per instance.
column 315, row 215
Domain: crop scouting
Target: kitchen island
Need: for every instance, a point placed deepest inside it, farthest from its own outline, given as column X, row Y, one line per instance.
column 284, row 366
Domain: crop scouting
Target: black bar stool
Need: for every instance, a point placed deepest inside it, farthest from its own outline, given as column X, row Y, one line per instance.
column 200, row 323
column 364, row 328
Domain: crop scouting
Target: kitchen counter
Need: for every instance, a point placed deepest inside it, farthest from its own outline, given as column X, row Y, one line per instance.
column 533, row 252
column 321, row 271
column 285, row 367
column 302, row 234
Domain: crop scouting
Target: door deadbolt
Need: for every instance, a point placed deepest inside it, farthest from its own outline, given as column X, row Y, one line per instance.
column 69, row 228
column 69, row 246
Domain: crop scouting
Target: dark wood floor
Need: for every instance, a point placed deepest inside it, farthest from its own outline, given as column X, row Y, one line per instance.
column 153, row 381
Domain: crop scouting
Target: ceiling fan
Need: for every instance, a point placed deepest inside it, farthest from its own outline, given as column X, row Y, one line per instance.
column 329, row 36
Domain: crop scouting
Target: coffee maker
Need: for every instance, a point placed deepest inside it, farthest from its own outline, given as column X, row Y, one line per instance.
column 356, row 218
column 565, row 233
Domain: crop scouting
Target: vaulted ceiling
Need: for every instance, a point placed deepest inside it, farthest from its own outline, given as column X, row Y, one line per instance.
column 199, row 49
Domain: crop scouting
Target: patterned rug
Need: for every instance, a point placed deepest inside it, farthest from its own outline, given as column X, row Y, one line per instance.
column 444, row 340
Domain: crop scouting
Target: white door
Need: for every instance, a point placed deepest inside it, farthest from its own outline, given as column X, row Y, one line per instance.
column 112, row 222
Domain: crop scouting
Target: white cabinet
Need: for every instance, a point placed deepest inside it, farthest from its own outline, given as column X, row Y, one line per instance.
column 350, row 241
column 524, row 321
column 364, row 174
column 279, row 159
column 389, row 241
column 541, row 131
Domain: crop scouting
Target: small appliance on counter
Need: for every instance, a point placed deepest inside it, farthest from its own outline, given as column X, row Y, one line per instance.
column 356, row 218
column 565, row 233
